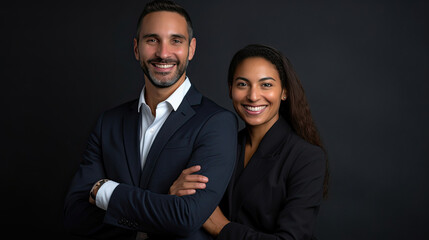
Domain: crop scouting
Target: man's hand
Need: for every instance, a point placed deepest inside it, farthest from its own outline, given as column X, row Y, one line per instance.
column 188, row 183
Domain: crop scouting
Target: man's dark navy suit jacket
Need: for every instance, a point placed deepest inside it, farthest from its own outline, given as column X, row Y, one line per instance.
column 199, row 132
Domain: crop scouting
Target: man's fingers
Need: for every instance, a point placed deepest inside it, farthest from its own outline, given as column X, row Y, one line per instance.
column 193, row 185
column 188, row 176
column 186, row 192
column 188, row 183
column 187, row 188
column 192, row 169
column 196, row 178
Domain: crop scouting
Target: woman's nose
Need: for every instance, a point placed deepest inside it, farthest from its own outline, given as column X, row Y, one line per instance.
column 253, row 94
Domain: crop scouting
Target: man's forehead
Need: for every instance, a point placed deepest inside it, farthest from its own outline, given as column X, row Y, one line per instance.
column 165, row 16
column 163, row 22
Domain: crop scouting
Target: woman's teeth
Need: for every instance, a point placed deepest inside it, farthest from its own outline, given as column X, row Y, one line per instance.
column 255, row 109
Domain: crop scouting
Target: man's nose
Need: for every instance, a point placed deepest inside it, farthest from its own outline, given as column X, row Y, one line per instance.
column 163, row 50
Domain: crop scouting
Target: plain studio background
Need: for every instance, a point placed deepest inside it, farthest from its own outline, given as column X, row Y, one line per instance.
column 363, row 64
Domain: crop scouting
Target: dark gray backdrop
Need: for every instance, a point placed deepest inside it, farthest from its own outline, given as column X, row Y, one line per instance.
column 363, row 64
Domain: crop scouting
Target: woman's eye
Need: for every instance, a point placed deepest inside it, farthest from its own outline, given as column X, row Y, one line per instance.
column 241, row 84
column 267, row 85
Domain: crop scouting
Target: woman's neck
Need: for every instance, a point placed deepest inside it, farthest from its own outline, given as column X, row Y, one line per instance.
column 255, row 135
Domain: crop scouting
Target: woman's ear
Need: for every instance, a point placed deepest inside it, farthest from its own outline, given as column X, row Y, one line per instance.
column 284, row 95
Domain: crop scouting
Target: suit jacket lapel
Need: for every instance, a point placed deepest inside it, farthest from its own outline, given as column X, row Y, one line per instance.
column 261, row 162
column 174, row 121
column 131, row 129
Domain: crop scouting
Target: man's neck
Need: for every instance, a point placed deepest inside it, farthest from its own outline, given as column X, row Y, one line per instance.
column 155, row 95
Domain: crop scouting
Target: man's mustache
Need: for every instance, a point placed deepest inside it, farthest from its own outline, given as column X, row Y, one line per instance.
column 162, row 60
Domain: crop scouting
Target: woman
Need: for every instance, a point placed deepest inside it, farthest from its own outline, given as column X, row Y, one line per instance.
column 281, row 171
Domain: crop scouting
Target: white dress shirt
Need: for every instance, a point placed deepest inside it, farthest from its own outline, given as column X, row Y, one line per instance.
column 150, row 127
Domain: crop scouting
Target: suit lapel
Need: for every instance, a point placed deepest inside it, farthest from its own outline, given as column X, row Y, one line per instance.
column 131, row 129
column 261, row 163
column 174, row 121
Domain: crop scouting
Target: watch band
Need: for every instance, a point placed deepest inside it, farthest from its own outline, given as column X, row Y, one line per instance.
column 97, row 185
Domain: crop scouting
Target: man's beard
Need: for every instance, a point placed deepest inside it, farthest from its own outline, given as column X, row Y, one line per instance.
column 181, row 68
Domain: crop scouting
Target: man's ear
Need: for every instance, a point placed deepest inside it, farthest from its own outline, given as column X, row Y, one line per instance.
column 136, row 49
column 192, row 48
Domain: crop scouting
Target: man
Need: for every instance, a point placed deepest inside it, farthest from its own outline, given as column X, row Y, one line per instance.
column 138, row 149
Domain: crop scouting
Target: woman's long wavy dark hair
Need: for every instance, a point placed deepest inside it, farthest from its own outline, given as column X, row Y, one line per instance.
column 295, row 109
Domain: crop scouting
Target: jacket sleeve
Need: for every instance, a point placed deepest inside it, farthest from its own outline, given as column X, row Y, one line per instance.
column 81, row 217
column 215, row 150
column 297, row 217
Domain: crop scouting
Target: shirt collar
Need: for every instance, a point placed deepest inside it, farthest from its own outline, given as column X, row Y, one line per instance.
column 175, row 99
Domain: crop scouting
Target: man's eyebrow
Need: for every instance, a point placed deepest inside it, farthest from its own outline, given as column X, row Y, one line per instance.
column 149, row 35
column 178, row 36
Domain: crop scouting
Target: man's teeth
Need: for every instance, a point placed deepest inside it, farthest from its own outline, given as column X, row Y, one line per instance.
column 164, row 65
column 255, row 109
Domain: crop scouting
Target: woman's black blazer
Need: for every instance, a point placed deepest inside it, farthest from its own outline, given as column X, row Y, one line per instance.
column 278, row 194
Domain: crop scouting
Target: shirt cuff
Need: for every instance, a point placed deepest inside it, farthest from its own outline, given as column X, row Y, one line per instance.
column 104, row 194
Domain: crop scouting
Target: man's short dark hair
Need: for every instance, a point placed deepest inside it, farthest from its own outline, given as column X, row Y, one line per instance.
column 165, row 5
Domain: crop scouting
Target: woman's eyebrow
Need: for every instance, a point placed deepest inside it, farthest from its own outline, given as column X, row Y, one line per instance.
column 260, row 80
column 242, row 78
column 266, row 78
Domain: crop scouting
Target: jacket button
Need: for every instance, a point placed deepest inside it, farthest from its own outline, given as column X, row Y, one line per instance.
column 122, row 221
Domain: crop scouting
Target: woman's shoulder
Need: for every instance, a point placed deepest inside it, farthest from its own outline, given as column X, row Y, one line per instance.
column 305, row 153
column 292, row 141
column 302, row 145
